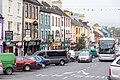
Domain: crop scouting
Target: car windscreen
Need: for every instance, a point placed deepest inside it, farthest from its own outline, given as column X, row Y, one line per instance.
column 106, row 44
column 84, row 54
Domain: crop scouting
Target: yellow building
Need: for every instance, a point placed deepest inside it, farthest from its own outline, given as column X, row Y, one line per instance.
column 31, row 25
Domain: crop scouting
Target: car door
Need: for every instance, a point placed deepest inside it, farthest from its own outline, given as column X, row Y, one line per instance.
column 51, row 55
column 20, row 62
column 115, row 67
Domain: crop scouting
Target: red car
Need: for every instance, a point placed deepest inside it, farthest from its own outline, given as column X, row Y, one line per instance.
column 24, row 63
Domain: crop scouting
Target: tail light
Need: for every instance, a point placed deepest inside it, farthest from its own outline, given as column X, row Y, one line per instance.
column 109, row 72
column 15, row 61
column 0, row 64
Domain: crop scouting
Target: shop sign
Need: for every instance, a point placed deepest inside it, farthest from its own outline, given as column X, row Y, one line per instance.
column 8, row 35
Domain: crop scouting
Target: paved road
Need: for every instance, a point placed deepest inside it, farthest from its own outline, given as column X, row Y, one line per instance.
column 71, row 71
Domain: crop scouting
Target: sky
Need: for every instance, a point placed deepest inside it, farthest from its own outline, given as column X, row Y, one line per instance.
column 103, row 12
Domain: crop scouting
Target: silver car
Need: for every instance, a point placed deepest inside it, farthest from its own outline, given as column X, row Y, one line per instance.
column 114, row 70
column 1, row 69
column 85, row 56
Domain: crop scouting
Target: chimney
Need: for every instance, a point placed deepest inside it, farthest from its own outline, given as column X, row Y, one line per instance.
column 57, row 3
column 82, row 17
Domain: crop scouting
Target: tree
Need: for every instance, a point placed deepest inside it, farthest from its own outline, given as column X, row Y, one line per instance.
column 81, row 43
column 115, row 31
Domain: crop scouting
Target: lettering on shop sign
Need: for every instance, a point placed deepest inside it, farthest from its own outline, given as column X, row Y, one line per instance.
column 33, row 43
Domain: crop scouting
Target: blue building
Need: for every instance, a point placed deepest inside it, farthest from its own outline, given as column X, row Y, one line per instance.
column 45, row 25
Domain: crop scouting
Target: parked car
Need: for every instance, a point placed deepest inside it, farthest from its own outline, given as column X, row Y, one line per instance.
column 114, row 70
column 38, row 60
column 24, row 63
column 44, row 62
column 57, row 57
column 1, row 68
column 84, row 56
column 8, row 62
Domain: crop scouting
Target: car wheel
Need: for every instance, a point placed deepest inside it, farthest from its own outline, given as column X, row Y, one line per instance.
column 27, row 68
column 8, row 71
column 43, row 65
column 62, row 63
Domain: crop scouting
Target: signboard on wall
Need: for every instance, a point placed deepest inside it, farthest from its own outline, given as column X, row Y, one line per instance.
column 8, row 35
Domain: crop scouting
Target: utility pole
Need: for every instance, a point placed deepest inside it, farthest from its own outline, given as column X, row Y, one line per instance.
column 23, row 28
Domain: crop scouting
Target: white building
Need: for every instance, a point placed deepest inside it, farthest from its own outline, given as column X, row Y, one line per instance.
column 12, row 13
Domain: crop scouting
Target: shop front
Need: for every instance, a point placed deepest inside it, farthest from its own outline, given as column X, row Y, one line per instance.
column 31, row 46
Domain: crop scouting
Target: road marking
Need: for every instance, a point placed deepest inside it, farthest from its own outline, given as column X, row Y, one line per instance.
column 92, row 76
column 72, row 75
column 68, row 72
column 83, row 72
column 103, row 77
column 65, row 77
column 97, row 77
column 41, row 75
column 57, row 75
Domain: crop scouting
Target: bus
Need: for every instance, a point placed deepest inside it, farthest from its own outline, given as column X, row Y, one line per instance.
column 106, row 49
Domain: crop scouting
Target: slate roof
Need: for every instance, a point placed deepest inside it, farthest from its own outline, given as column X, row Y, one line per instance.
column 75, row 22
column 32, row 1
column 1, row 16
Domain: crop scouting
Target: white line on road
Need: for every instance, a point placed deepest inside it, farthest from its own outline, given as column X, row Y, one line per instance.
column 83, row 72
column 72, row 75
column 65, row 77
column 41, row 75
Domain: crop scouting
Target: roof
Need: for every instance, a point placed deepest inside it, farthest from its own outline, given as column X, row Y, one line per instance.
column 75, row 22
column 106, row 39
column 32, row 1
column 1, row 16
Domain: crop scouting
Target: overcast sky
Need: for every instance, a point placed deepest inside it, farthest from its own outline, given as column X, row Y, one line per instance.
column 103, row 12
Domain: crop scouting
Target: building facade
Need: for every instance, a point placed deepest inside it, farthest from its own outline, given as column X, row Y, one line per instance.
column 12, row 13
column 31, row 27
column 45, row 25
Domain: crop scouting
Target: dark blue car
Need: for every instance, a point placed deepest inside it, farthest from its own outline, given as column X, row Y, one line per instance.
column 44, row 62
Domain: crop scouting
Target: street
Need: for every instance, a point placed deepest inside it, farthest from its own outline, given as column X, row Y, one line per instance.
column 71, row 71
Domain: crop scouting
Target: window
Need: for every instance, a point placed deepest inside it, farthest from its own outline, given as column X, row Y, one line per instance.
column 9, row 6
column 56, row 21
column 45, row 19
column 46, row 34
column 35, row 32
column 33, row 12
column 18, row 27
column 118, row 62
column 36, row 13
column 48, row 20
column 52, row 20
column 51, row 53
column 19, row 8
column 41, row 19
column 42, row 35
column 30, row 27
column 30, row 10
column 9, row 25
column 26, row 25
column 26, row 10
